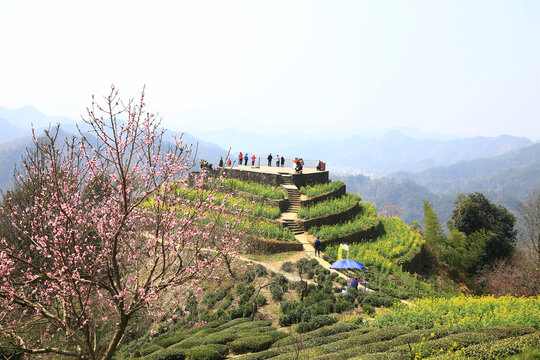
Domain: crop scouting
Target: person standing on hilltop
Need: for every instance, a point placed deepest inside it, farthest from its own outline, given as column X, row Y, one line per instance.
column 245, row 159
column 253, row 160
column 277, row 160
column 317, row 246
column 240, row 158
column 282, row 161
column 269, row 159
column 229, row 163
column 221, row 161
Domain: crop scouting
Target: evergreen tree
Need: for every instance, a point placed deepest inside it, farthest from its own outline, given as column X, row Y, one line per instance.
column 433, row 230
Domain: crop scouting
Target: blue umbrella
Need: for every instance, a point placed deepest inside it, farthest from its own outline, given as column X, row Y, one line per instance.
column 347, row 264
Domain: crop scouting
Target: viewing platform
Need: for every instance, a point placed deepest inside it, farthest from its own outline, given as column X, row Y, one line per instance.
column 276, row 176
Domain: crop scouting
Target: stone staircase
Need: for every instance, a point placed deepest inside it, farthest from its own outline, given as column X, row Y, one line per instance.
column 294, row 205
column 295, row 227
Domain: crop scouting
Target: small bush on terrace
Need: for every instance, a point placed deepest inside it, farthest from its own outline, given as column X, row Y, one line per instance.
column 365, row 219
column 329, row 207
column 255, row 343
column 319, row 189
column 262, row 190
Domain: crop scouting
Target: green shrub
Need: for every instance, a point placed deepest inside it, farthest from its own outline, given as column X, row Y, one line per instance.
column 261, row 300
column 262, row 190
column 343, row 304
column 188, row 343
column 150, row 349
column 328, row 207
column 287, row 266
column 221, row 337
column 277, row 292
column 499, row 349
column 167, row 354
column 205, row 352
column 375, row 299
column 255, row 343
column 364, row 220
column 260, row 270
column 368, row 309
column 319, row 189
column 210, row 298
column 224, row 305
column 315, row 323
column 464, row 339
column 243, row 299
column 171, row 339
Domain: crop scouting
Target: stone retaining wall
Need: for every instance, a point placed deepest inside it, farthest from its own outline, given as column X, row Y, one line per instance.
column 260, row 245
column 329, row 195
column 319, row 177
column 371, row 233
column 331, row 219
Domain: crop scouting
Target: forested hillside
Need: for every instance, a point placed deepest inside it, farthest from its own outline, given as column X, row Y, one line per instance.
column 506, row 180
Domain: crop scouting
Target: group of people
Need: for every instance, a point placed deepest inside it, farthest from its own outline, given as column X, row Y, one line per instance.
column 205, row 165
column 222, row 163
column 280, row 161
column 244, row 158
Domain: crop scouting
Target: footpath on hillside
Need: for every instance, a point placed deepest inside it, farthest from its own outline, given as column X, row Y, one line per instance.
column 289, row 218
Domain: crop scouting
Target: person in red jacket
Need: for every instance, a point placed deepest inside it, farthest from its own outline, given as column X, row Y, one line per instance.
column 240, row 158
column 253, row 160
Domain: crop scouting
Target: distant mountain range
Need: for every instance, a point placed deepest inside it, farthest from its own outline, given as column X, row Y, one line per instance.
column 505, row 179
column 380, row 155
column 15, row 138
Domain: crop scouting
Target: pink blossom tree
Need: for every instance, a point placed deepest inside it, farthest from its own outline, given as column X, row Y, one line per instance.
column 103, row 233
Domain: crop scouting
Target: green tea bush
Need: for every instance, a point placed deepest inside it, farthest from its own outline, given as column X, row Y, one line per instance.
column 262, row 190
column 357, row 340
column 261, row 300
column 315, row 323
column 375, row 299
column 363, row 220
column 210, row 298
column 500, row 349
column 287, row 266
column 343, row 304
column 222, row 337
column 260, row 270
column 167, row 354
column 255, row 343
column 464, row 339
column 320, row 189
column 150, row 349
column 328, row 207
column 206, row 352
column 368, row 309
column 224, row 305
column 170, row 339
column 277, row 292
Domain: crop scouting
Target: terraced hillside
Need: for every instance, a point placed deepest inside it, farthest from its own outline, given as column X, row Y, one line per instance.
column 299, row 311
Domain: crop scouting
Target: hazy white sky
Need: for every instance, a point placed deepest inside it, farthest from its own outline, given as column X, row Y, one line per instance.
column 464, row 66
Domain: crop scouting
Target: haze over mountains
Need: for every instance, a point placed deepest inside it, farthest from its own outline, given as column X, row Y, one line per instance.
column 405, row 166
column 373, row 152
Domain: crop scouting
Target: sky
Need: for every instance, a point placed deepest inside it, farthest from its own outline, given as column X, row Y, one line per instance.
column 463, row 67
